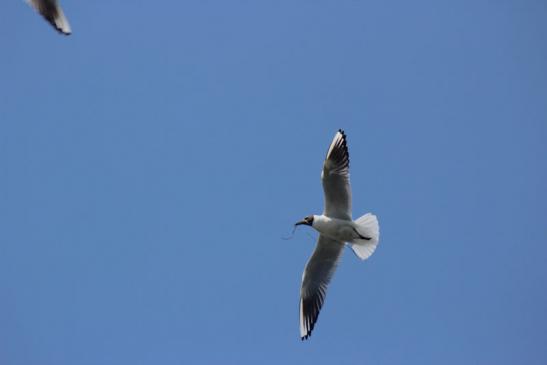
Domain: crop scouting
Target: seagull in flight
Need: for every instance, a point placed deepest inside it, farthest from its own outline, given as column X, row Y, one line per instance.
column 336, row 229
column 52, row 12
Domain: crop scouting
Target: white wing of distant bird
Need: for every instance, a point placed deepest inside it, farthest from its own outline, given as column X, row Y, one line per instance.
column 52, row 12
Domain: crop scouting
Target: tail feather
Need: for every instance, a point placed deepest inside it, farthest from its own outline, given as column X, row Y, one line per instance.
column 367, row 226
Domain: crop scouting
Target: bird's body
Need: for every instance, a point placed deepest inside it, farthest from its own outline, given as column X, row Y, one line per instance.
column 336, row 228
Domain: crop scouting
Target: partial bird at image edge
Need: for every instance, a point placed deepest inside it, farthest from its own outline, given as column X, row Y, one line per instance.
column 53, row 13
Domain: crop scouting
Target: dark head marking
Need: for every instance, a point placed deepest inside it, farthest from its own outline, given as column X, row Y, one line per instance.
column 308, row 221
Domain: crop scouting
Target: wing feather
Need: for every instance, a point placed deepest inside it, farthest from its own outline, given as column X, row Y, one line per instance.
column 52, row 12
column 335, row 178
column 315, row 280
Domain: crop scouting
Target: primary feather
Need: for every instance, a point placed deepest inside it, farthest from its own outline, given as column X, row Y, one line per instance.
column 53, row 13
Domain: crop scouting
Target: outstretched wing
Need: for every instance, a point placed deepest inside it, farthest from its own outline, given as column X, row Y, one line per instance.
column 315, row 280
column 52, row 12
column 335, row 178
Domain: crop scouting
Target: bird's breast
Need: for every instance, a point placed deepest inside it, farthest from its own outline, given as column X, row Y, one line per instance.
column 337, row 229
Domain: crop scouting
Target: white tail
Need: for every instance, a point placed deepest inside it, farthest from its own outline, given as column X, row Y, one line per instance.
column 367, row 226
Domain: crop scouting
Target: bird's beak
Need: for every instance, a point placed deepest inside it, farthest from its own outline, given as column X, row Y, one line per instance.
column 300, row 223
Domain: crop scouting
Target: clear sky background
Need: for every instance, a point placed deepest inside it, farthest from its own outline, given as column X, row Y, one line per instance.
column 151, row 162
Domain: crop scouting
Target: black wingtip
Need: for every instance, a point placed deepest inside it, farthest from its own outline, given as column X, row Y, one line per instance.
column 311, row 309
column 341, row 152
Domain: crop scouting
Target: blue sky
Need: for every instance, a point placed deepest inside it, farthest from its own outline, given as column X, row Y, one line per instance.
column 151, row 162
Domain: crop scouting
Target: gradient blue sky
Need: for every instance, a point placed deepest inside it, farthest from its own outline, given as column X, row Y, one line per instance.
column 151, row 162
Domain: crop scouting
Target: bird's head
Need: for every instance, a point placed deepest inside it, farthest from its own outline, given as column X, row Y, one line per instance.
column 308, row 221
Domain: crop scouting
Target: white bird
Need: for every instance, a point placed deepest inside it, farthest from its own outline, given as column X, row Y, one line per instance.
column 52, row 12
column 336, row 229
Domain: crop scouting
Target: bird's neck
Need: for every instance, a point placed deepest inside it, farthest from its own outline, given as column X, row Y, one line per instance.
column 320, row 222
